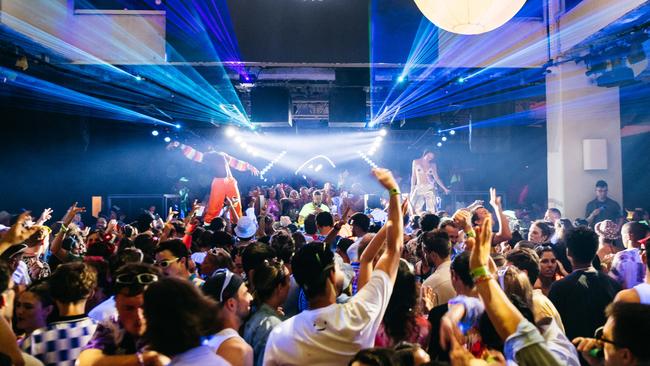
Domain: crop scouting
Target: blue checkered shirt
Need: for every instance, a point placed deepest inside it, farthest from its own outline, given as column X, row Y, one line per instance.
column 61, row 342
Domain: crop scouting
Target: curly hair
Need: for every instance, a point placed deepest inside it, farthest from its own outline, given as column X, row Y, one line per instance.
column 72, row 282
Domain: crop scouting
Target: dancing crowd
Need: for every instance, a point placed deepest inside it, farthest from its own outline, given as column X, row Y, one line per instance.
column 309, row 277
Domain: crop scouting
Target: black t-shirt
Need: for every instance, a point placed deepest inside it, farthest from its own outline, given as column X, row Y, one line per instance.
column 581, row 299
column 612, row 210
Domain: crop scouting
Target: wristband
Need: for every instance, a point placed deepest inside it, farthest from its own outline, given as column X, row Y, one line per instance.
column 394, row 192
column 479, row 272
column 471, row 234
column 483, row 278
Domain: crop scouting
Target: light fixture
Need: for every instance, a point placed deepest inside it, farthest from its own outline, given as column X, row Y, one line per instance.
column 168, row 139
column 439, row 144
column 155, row 132
column 452, row 132
column 444, row 138
column 469, row 16
column 230, row 131
column 178, row 125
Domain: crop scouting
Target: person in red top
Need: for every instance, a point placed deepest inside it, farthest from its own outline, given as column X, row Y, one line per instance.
column 224, row 185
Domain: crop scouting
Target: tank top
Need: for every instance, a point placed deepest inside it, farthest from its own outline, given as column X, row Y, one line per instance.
column 643, row 289
column 217, row 339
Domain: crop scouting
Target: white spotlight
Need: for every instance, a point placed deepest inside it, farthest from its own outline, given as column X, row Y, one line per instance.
column 230, row 132
column 383, row 132
column 439, row 144
column 378, row 140
column 452, row 132
column 444, row 138
column 154, row 132
column 168, row 139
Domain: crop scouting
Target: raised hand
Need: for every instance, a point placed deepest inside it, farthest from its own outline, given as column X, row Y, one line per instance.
column 45, row 216
column 170, row 214
column 463, row 218
column 495, row 201
column 385, row 178
column 72, row 212
column 405, row 206
column 480, row 255
column 18, row 233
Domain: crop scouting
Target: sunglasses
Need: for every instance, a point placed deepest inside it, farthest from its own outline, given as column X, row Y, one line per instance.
column 598, row 334
column 166, row 262
column 226, row 282
column 140, row 279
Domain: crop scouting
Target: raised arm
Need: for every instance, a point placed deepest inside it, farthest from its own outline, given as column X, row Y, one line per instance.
column 389, row 261
column 502, row 313
column 18, row 233
column 188, row 151
column 56, row 247
column 367, row 259
column 504, row 232
column 240, row 165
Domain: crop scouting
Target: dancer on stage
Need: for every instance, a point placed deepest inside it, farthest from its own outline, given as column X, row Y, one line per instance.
column 224, row 184
column 424, row 177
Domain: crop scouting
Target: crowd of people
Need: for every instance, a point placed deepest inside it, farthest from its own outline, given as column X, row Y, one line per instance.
column 308, row 277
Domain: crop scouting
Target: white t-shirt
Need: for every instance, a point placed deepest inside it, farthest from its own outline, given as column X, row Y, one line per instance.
column 334, row 334
column 353, row 250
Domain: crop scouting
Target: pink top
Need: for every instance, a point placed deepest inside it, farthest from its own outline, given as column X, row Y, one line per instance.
column 420, row 334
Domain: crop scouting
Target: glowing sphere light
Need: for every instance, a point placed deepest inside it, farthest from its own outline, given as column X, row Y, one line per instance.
column 469, row 16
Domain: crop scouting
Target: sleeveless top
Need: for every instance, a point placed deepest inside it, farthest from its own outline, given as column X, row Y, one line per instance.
column 643, row 289
column 217, row 339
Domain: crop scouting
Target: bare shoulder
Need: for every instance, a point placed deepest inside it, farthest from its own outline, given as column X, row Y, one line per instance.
column 629, row 295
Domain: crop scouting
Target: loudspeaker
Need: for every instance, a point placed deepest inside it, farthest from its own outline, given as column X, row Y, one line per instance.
column 347, row 105
column 594, row 154
column 352, row 77
column 271, row 105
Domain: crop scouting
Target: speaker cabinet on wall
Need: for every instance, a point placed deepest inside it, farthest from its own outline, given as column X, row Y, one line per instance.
column 271, row 106
column 347, row 105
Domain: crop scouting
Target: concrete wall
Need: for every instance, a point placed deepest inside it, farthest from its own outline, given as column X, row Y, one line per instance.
column 578, row 110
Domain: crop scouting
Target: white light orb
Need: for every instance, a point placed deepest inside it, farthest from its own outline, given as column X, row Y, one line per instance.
column 230, row 132
column 469, row 16
column 383, row 132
